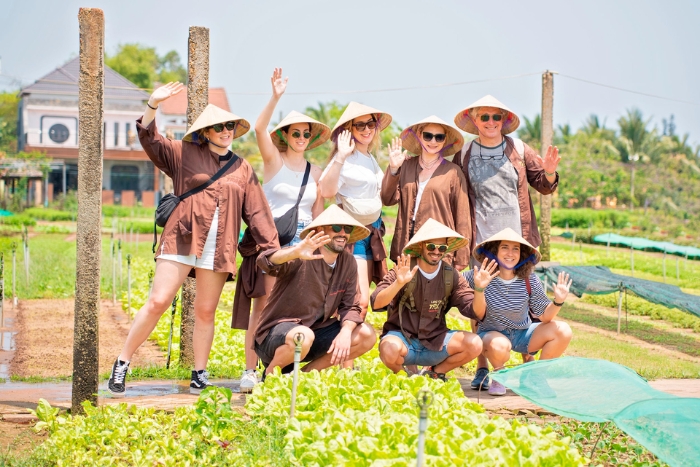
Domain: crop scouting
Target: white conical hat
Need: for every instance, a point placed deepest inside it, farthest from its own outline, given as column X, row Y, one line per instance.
column 410, row 137
column 464, row 121
column 334, row 215
column 433, row 230
column 319, row 132
column 354, row 110
column 509, row 235
column 213, row 115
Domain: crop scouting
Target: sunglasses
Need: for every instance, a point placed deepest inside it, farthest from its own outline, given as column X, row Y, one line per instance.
column 219, row 127
column 487, row 117
column 372, row 124
column 439, row 137
column 297, row 134
column 432, row 246
column 347, row 228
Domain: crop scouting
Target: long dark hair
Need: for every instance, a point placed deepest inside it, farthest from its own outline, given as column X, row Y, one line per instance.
column 527, row 264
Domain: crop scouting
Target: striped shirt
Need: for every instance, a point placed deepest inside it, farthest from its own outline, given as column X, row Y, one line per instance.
column 507, row 302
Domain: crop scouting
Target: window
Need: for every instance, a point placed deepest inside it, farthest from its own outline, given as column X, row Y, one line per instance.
column 179, row 135
column 116, row 134
column 58, row 133
column 124, row 177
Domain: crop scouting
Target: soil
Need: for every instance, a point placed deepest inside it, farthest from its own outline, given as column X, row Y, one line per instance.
column 44, row 339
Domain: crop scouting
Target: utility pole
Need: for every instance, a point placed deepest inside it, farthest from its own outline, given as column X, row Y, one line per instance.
column 89, row 235
column 197, row 100
column 547, row 139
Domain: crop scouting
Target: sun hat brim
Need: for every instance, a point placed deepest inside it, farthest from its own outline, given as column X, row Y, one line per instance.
column 333, row 215
column 507, row 234
column 354, row 110
column 211, row 115
column 320, row 133
column 433, row 230
column 464, row 121
column 410, row 139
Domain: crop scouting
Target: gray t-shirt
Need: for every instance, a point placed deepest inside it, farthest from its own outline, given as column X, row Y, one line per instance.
column 495, row 183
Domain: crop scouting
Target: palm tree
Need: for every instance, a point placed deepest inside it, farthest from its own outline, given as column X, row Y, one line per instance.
column 531, row 133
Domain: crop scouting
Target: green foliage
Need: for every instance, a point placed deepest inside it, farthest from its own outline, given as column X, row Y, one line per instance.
column 110, row 211
column 574, row 218
column 17, row 220
column 8, row 122
column 142, row 66
column 48, row 214
column 530, row 131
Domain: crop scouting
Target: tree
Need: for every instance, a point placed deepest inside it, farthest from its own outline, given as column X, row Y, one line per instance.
column 8, row 122
column 142, row 66
column 531, row 133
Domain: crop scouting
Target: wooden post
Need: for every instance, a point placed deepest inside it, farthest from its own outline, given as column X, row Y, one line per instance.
column 547, row 139
column 197, row 100
column 89, row 235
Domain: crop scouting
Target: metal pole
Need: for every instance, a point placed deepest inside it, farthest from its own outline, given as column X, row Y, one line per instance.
column 607, row 246
column 573, row 241
column 128, row 286
column 298, row 340
column 2, row 290
column 114, row 276
column 170, row 336
column 26, row 255
column 64, row 181
column 619, row 310
column 14, row 275
column 119, row 262
column 678, row 271
column 547, row 136
column 632, row 259
column 580, row 251
column 664, row 265
column 424, row 399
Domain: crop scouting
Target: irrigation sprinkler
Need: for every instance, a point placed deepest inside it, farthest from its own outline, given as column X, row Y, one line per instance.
column 170, row 336
column 424, row 400
column 128, row 286
column 298, row 340
column 114, row 276
column 14, row 275
column 619, row 310
column 26, row 254
column 119, row 262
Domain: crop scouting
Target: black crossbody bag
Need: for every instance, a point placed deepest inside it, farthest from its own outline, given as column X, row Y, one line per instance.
column 286, row 224
column 169, row 202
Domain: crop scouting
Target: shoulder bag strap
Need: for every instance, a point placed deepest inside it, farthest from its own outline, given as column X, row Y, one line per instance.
column 214, row 178
column 303, row 183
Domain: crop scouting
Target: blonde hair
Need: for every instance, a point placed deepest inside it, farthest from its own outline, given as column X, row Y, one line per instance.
column 374, row 144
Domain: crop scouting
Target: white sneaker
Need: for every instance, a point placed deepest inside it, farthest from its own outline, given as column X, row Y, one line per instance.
column 248, row 381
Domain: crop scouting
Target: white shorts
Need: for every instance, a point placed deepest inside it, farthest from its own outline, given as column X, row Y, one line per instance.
column 206, row 261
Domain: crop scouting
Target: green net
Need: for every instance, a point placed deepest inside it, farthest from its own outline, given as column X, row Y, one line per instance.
column 597, row 280
column 597, row 391
column 639, row 243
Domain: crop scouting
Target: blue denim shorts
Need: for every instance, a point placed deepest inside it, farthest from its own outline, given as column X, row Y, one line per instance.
column 519, row 338
column 418, row 354
column 301, row 225
column 363, row 248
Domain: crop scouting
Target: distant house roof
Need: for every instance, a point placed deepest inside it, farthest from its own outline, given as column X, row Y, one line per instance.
column 64, row 81
column 177, row 105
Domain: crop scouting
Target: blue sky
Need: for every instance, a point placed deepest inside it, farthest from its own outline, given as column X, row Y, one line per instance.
column 646, row 46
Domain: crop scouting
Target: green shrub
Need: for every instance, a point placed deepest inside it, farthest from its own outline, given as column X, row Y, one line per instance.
column 48, row 214
column 17, row 220
column 574, row 218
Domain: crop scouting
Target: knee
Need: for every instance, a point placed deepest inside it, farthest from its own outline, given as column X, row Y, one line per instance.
column 497, row 346
column 390, row 352
column 367, row 336
column 564, row 332
column 157, row 304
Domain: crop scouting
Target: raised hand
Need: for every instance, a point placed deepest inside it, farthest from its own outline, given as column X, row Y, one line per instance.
column 164, row 92
column 279, row 85
column 561, row 290
column 346, row 146
column 484, row 275
column 396, row 156
column 551, row 159
column 305, row 249
column 404, row 273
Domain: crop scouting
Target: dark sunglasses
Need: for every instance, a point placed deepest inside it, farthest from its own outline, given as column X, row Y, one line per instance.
column 219, row 127
column 372, row 124
column 297, row 134
column 432, row 246
column 486, row 117
column 347, row 228
column 439, row 137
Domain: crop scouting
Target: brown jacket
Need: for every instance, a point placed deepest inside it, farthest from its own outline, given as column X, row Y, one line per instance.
column 237, row 193
column 303, row 294
column 424, row 324
column 444, row 199
column 530, row 171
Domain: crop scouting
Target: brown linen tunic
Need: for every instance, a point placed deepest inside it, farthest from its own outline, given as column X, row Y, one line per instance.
column 310, row 293
column 426, row 325
column 530, row 170
column 444, row 199
column 237, row 194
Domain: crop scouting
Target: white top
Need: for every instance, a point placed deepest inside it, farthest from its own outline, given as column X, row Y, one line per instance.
column 432, row 275
column 360, row 177
column 421, row 188
column 282, row 192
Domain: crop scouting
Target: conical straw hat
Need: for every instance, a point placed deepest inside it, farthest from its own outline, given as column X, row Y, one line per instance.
column 410, row 139
column 433, row 230
column 213, row 115
column 354, row 110
column 334, row 215
column 509, row 235
column 319, row 132
column 463, row 121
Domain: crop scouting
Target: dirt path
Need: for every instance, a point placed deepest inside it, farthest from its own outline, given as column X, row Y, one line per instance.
column 44, row 339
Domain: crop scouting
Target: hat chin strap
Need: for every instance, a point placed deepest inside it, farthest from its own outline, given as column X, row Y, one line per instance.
column 211, row 142
column 490, row 255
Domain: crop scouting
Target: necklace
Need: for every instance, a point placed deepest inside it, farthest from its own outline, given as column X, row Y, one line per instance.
column 426, row 165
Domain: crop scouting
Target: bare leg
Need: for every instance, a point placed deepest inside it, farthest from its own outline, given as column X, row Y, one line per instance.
column 362, row 340
column 462, row 348
column 553, row 338
column 209, row 286
column 168, row 277
column 251, row 359
column 363, row 280
column 481, row 361
column 284, row 355
column 392, row 351
column 497, row 349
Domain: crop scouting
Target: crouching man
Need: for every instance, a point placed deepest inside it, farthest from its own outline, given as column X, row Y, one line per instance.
column 315, row 294
column 418, row 293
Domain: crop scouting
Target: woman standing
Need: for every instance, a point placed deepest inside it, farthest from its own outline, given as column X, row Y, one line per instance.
column 201, row 234
column 428, row 185
column 498, row 170
column 354, row 178
column 284, row 174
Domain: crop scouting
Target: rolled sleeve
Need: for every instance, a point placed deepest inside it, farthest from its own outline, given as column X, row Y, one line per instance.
column 164, row 153
column 275, row 270
column 463, row 298
column 535, row 173
column 349, row 308
column 391, row 192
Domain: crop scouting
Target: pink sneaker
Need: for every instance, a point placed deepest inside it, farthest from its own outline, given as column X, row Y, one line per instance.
column 497, row 389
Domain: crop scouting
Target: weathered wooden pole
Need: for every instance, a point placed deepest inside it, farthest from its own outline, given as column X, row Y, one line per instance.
column 87, row 277
column 197, row 100
column 547, row 139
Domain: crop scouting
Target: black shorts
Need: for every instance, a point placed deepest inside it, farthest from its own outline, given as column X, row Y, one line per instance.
column 323, row 338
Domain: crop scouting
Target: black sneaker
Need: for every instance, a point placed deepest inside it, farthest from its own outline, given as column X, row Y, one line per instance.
column 200, row 381
column 430, row 373
column 481, row 379
column 117, row 380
